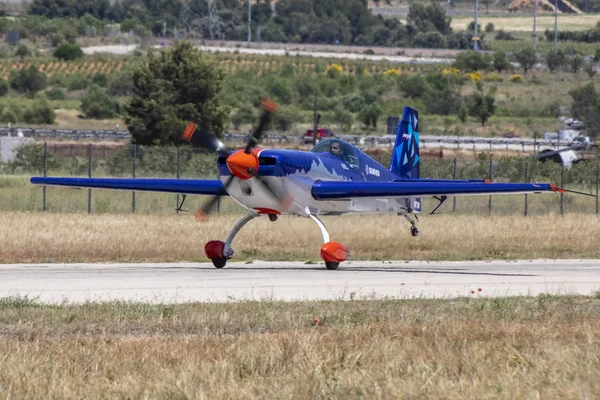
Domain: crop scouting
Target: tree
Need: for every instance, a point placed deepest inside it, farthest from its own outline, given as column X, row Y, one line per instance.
column 576, row 62
column 23, row 51
column 3, row 87
column 171, row 89
column 501, row 63
column 555, row 60
column 68, row 52
column 526, row 58
column 99, row 104
column 27, row 80
column 481, row 105
column 586, row 107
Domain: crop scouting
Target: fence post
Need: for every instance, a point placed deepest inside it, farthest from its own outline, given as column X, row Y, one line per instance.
column 45, row 173
column 133, row 163
column 454, row 177
column 562, row 185
column 490, row 199
column 178, row 174
column 89, row 176
column 526, row 181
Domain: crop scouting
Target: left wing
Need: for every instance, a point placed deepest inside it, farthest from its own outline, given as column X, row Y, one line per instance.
column 181, row 186
column 339, row 190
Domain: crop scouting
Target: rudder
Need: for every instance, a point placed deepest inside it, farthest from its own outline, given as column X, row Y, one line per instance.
column 406, row 162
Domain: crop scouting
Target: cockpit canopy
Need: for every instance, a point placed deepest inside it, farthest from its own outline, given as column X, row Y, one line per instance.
column 341, row 149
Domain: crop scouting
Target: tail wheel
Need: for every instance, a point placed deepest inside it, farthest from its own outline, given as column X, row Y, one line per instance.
column 332, row 266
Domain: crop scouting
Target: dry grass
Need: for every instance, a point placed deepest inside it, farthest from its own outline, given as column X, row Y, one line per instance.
column 37, row 237
column 505, row 348
column 525, row 24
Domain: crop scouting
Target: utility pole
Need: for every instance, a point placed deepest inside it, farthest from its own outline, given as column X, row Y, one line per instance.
column 249, row 20
column 534, row 35
column 555, row 24
column 210, row 19
column 475, row 38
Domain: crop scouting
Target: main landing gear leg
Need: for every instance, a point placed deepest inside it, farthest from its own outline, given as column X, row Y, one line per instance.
column 331, row 252
column 413, row 227
column 219, row 252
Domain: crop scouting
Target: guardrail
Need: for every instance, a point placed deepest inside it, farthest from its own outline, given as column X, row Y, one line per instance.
column 427, row 141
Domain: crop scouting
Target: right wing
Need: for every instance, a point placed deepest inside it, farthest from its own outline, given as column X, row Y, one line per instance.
column 340, row 190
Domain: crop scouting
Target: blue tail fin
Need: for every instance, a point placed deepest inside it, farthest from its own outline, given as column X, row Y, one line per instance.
column 406, row 162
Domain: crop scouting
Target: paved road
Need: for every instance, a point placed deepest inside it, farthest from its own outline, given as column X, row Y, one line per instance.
column 180, row 282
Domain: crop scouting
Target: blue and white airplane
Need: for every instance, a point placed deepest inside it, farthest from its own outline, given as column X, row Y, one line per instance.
column 334, row 178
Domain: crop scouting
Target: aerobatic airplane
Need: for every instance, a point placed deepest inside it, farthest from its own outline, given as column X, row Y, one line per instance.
column 333, row 178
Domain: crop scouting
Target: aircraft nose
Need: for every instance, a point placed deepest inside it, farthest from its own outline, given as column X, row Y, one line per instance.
column 239, row 163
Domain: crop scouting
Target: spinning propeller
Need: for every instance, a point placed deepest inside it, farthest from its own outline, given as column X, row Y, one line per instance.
column 243, row 164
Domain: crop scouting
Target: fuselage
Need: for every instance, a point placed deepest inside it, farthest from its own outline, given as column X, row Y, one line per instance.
column 290, row 175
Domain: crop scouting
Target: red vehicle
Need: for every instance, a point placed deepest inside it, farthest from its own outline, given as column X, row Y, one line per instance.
column 322, row 133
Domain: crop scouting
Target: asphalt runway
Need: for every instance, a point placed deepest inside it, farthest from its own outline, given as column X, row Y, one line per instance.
column 182, row 282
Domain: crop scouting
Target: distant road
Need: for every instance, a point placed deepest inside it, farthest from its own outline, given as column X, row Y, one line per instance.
column 184, row 282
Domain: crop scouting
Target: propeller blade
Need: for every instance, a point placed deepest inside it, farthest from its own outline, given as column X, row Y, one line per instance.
column 204, row 140
column 206, row 209
column 269, row 107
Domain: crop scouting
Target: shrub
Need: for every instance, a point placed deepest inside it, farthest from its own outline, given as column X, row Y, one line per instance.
column 452, row 72
column 68, row 52
column 493, row 78
column 517, row 78
column 77, row 82
column 99, row 104
column 469, row 61
column 121, row 84
column 3, row 87
column 392, row 72
column 334, row 70
column 100, row 80
column 501, row 35
column 27, row 80
column 489, row 28
column 475, row 76
column 55, row 94
column 30, row 158
column 23, row 51
column 40, row 112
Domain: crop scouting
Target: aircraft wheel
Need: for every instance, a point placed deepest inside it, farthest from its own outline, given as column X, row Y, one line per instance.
column 332, row 265
column 414, row 231
column 219, row 262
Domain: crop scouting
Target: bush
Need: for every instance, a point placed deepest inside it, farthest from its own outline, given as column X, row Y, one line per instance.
column 517, row 78
column 99, row 104
column 470, row 61
column 556, row 60
column 77, row 82
column 30, row 158
column 23, row 51
column 40, row 112
column 55, row 94
column 501, row 35
column 489, row 28
column 492, row 78
column 121, row 84
column 28, row 81
column 100, row 80
column 68, row 52
column 3, row 87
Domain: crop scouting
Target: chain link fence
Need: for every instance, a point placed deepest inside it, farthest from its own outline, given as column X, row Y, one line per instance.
column 185, row 162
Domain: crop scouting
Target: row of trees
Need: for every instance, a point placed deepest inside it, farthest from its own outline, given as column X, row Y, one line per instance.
column 470, row 61
column 305, row 21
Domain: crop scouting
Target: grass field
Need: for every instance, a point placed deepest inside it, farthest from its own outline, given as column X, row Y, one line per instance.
column 525, row 23
column 546, row 347
column 37, row 237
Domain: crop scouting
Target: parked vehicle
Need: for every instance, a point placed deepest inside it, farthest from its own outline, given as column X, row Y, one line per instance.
column 322, row 133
